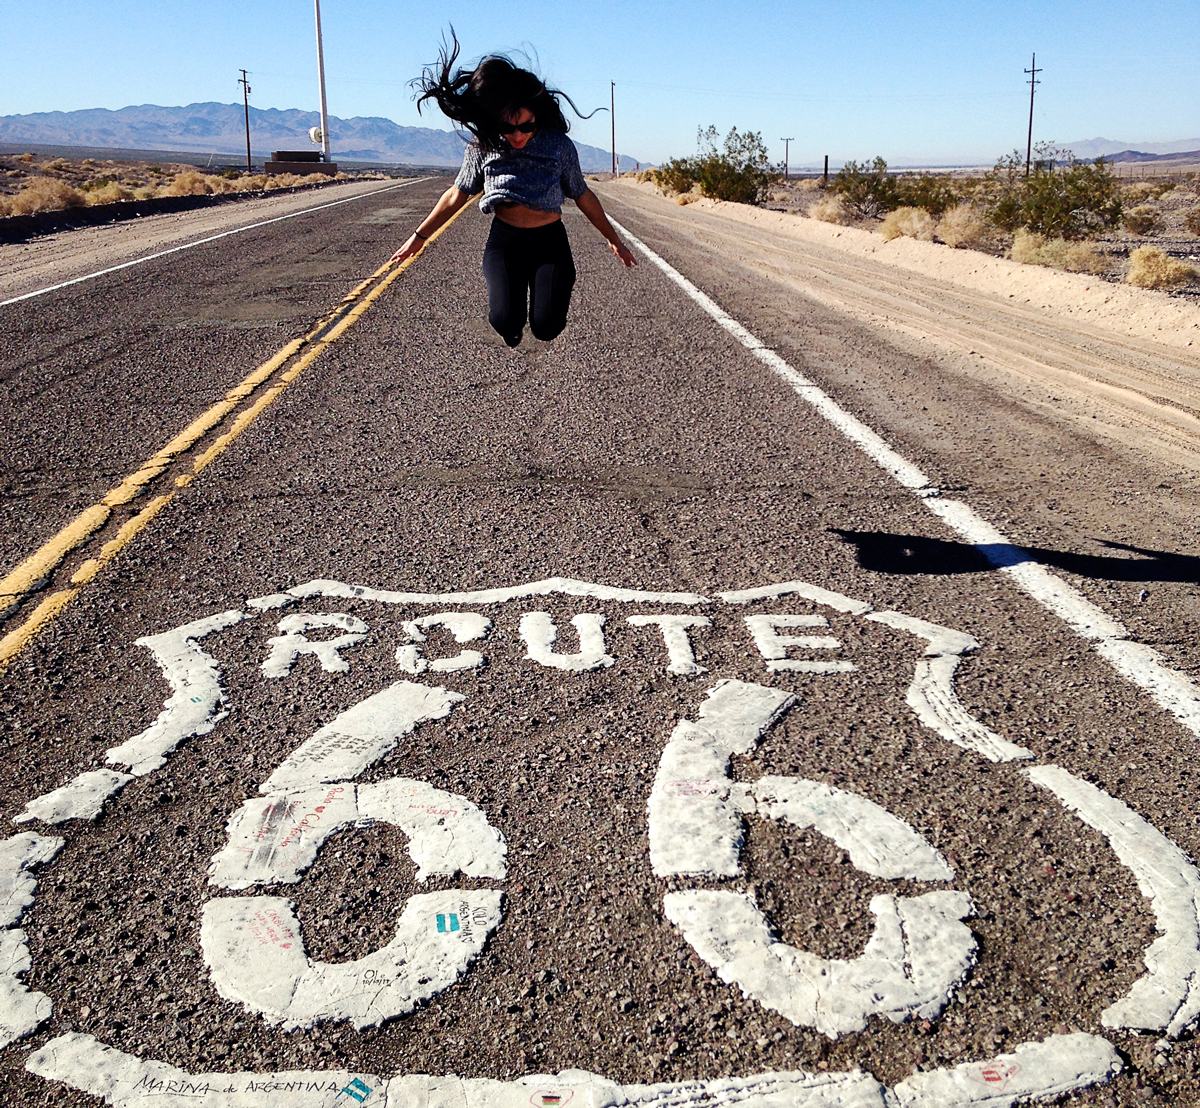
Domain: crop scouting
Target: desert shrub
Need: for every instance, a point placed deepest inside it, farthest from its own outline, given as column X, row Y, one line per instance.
column 1075, row 257
column 145, row 192
column 1191, row 222
column 677, row 175
column 1150, row 268
column 46, row 194
column 829, row 209
column 929, row 192
column 1072, row 203
column 685, row 198
column 1143, row 220
column 739, row 172
column 110, row 192
column 5, row 206
column 189, row 183
column 26, row 158
column 1137, row 194
column 963, row 225
column 913, row 223
column 645, row 176
column 867, row 190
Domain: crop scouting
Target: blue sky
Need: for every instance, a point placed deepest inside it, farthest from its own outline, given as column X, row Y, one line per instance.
column 929, row 82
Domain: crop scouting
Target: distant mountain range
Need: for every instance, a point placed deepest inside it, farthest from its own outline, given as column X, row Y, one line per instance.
column 1130, row 151
column 199, row 128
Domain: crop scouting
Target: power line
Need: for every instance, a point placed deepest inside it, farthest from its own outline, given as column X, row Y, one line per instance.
column 786, row 144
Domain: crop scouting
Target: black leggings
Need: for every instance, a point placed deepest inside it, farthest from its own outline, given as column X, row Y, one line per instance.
column 531, row 264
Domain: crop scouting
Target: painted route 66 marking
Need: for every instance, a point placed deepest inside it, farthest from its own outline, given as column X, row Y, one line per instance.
column 920, row 950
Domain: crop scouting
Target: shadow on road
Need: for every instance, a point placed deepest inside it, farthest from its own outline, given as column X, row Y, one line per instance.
column 884, row 552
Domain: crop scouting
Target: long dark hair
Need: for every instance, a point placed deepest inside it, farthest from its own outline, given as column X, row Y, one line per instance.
column 477, row 98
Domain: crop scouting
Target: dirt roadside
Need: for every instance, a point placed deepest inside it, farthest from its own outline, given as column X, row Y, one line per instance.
column 1122, row 363
column 28, row 266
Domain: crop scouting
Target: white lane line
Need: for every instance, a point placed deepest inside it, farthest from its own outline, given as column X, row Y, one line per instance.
column 201, row 242
column 1141, row 664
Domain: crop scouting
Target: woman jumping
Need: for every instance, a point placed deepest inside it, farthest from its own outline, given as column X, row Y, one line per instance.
column 523, row 162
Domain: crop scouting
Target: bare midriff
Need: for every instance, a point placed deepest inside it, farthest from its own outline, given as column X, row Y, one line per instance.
column 517, row 215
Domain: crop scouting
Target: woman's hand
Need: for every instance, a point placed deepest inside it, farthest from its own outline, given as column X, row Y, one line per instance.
column 622, row 252
column 412, row 246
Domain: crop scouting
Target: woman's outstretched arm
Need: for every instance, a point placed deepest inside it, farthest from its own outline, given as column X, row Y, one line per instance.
column 590, row 206
column 452, row 200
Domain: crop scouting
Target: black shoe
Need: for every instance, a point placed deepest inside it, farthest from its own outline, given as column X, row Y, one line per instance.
column 513, row 340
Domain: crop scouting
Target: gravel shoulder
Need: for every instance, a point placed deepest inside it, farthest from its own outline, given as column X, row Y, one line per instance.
column 1119, row 361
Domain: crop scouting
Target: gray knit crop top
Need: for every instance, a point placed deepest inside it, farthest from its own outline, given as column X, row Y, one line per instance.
column 537, row 176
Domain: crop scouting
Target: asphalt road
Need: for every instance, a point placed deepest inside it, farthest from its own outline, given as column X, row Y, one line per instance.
column 940, row 914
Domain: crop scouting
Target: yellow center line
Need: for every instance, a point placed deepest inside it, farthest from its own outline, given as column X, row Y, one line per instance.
column 35, row 570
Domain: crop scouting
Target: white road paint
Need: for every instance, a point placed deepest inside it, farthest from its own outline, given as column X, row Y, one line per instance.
column 275, row 839
column 1145, row 667
column 447, row 834
column 878, row 843
column 465, row 626
column 1168, row 996
column 920, row 949
column 272, row 602
column 360, row 736
column 21, row 1010
column 693, row 829
column 292, row 641
column 256, row 957
column 1034, row 1071
column 931, row 694
column 125, row 1081
column 774, row 646
column 203, row 241
column 681, row 657
column 916, row 957
column 565, row 586
column 539, row 635
column 834, row 600
column 195, row 705
column 252, row 945
column 81, row 798
column 18, row 855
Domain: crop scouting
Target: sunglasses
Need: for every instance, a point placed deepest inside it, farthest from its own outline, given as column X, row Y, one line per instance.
column 524, row 128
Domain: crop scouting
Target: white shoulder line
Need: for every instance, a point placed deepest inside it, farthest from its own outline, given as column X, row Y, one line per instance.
column 1168, row 996
column 1173, row 690
column 568, row 586
column 201, row 242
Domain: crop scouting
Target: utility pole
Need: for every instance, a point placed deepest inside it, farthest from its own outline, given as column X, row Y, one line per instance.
column 786, row 142
column 612, row 115
column 321, row 79
column 1033, row 84
column 246, row 104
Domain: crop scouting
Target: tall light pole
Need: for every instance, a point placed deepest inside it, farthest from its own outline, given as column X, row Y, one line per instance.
column 786, row 142
column 612, row 115
column 246, row 104
column 321, row 79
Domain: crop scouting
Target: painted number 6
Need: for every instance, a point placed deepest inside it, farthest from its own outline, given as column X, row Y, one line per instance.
column 252, row 945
